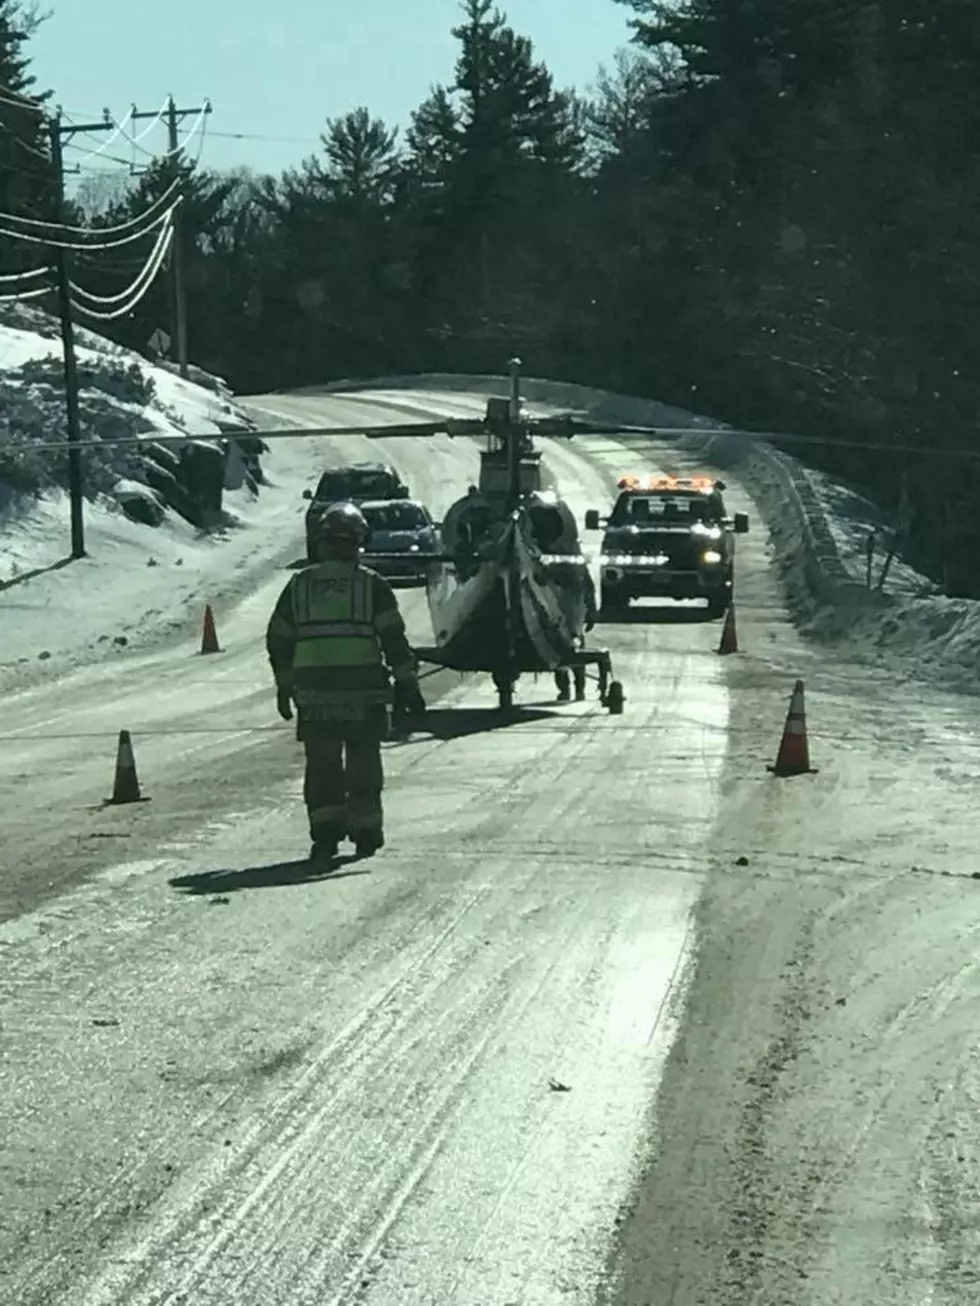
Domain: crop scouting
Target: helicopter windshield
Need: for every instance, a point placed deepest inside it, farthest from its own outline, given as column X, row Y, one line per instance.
column 547, row 526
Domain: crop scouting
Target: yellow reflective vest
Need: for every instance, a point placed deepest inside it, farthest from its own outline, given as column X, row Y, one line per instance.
column 334, row 636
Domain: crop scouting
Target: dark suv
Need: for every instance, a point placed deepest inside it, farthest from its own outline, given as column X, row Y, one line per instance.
column 668, row 538
column 356, row 483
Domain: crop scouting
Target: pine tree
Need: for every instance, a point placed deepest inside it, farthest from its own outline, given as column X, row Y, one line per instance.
column 26, row 175
column 361, row 159
column 490, row 163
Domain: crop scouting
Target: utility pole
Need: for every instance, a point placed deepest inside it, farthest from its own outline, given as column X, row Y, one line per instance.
column 174, row 117
column 75, row 481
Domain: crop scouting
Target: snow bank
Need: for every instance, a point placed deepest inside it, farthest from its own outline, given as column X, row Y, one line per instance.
column 819, row 528
column 163, row 522
column 121, row 395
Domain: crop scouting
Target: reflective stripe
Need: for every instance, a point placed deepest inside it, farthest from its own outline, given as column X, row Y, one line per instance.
column 332, row 697
column 326, row 815
column 361, row 821
column 332, row 714
column 345, row 651
column 328, row 629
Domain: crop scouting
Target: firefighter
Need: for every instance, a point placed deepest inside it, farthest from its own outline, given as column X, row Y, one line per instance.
column 334, row 636
column 562, row 678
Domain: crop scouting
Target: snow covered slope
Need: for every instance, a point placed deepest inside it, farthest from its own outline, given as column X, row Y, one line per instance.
column 136, row 575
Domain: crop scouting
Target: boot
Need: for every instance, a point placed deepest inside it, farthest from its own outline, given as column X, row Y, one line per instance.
column 324, row 850
column 563, row 682
column 366, row 844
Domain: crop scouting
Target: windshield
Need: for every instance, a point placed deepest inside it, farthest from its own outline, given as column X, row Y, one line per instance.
column 395, row 517
column 638, row 509
column 340, row 484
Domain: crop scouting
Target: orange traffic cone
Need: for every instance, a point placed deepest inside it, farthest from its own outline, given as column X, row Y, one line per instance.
column 209, row 636
column 794, row 752
column 729, row 635
column 126, row 788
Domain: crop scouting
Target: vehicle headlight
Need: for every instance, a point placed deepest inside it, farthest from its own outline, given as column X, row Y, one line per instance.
column 711, row 557
column 414, row 548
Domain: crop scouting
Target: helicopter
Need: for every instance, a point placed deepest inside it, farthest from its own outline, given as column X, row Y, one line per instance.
column 508, row 593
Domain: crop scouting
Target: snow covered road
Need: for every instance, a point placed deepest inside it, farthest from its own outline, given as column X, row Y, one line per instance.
column 431, row 1079
column 306, row 1075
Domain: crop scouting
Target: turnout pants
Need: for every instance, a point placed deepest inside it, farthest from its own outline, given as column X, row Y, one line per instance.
column 563, row 681
column 342, row 786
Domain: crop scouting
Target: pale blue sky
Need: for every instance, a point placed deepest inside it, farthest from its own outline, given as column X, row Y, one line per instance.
column 290, row 65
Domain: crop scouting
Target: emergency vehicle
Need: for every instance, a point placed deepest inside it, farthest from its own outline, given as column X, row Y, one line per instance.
column 668, row 537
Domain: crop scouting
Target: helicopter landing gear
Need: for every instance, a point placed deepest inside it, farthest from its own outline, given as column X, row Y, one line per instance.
column 611, row 694
column 605, row 670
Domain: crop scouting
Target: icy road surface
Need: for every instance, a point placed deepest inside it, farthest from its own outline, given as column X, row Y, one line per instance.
column 423, row 1081
column 614, row 1004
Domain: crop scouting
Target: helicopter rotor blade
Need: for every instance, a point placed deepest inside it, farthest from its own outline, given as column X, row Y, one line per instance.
column 561, row 427
column 450, row 426
column 566, row 425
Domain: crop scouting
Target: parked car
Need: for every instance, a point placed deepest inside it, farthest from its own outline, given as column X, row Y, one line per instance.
column 402, row 530
column 355, row 483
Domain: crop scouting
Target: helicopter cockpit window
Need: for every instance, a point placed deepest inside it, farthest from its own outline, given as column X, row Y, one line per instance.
column 475, row 525
column 546, row 526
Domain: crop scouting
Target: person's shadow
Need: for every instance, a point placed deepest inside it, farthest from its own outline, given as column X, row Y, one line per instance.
column 274, row 875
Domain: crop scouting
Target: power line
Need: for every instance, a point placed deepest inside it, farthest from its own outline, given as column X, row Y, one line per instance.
column 62, row 238
column 100, row 151
column 133, row 293
column 176, row 147
column 395, row 432
column 175, row 117
column 150, row 211
column 155, row 118
column 823, row 441
column 161, row 240
column 586, row 723
column 87, row 247
column 24, row 276
column 261, row 136
column 24, row 295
